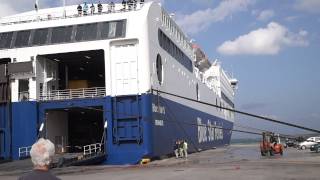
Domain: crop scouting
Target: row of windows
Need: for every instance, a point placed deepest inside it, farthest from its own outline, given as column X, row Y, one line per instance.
column 63, row 34
column 174, row 51
column 175, row 31
column 225, row 98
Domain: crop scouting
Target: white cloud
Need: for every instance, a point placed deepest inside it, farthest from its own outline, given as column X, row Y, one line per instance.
column 264, row 41
column 266, row 15
column 202, row 2
column 311, row 6
column 202, row 19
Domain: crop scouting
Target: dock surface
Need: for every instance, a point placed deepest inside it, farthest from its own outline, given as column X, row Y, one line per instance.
column 241, row 162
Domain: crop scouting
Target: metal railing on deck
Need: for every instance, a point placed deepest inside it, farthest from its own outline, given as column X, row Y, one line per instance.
column 24, row 152
column 68, row 13
column 92, row 149
column 73, row 94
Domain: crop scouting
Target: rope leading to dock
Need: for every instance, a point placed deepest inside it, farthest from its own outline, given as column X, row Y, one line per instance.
column 240, row 112
column 173, row 121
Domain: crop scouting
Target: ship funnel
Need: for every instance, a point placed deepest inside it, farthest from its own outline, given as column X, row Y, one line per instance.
column 234, row 83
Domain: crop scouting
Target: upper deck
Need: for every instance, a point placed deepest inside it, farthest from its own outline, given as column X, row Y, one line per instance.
column 67, row 12
column 23, row 30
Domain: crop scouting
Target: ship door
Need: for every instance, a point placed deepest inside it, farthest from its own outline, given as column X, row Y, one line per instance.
column 124, row 68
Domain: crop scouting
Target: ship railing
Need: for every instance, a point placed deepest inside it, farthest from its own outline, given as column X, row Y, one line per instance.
column 24, row 152
column 92, row 149
column 64, row 14
column 73, row 94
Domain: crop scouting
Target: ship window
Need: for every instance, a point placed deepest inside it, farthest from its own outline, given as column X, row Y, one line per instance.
column 5, row 39
column 40, row 36
column 160, row 38
column 170, row 47
column 119, row 31
column 112, row 29
column 86, row 32
column 159, row 68
column 61, row 34
column 104, row 30
column 197, row 91
column 23, row 89
column 22, row 38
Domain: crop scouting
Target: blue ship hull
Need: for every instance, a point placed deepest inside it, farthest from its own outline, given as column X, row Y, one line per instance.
column 139, row 127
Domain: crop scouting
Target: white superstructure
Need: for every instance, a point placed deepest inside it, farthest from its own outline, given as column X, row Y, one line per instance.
column 130, row 56
column 97, row 79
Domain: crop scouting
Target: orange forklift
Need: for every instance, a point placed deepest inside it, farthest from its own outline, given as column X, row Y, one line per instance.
column 270, row 144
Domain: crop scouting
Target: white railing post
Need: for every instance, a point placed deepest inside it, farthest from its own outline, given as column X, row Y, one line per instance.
column 91, row 149
column 24, row 151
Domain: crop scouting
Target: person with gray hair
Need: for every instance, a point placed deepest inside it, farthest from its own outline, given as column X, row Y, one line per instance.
column 41, row 156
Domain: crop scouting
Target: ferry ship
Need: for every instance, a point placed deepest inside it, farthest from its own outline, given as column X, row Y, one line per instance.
column 94, row 83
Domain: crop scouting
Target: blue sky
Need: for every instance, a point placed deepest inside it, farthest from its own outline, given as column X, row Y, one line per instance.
column 272, row 47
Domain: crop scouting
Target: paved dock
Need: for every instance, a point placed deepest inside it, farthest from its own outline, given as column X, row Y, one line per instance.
column 241, row 162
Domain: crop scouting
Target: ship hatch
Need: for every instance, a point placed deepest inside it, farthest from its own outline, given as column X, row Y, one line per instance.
column 72, row 129
column 75, row 70
column 4, row 81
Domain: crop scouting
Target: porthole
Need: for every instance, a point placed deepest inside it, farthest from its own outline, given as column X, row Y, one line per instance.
column 159, row 69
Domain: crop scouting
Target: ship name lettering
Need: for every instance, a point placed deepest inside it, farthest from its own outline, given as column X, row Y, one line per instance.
column 158, row 122
column 208, row 132
column 158, row 109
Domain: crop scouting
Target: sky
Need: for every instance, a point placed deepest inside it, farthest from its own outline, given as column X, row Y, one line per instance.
column 271, row 46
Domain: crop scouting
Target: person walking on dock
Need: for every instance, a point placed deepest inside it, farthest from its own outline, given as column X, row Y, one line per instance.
column 177, row 149
column 185, row 149
column 41, row 156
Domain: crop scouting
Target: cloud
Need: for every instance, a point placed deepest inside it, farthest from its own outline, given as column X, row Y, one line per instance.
column 264, row 41
column 202, row 2
column 266, row 15
column 202, row 19
column 310, row 6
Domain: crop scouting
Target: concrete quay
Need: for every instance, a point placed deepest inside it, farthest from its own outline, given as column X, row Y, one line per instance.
column 240, row 162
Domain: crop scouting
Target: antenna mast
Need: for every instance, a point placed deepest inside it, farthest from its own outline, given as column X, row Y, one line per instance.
column 36, row 5
column 64, row 8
